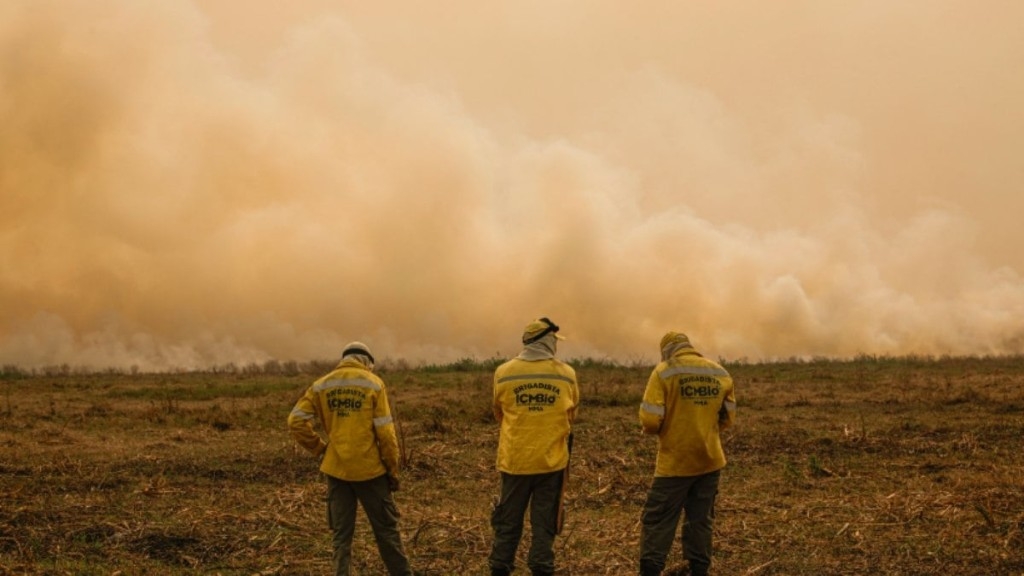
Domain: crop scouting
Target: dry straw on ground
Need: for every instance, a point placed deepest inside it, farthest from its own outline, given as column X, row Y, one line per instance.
column 873, row 466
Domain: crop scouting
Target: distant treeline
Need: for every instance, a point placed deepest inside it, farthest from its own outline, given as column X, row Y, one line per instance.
column 319, row 367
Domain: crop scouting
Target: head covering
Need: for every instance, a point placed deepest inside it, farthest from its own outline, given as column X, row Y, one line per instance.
column 538, row 329
column 359, row 352
column 540, row 340
column 672, row 342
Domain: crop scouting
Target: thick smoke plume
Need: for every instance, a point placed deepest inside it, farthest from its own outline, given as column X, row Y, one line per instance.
column 192, row 184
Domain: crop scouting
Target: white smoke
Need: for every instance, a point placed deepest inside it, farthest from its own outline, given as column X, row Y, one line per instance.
column 176, row 194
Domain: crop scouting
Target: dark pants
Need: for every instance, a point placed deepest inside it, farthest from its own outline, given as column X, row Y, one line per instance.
column 541, row 493
column 375, row 497
column 668, row 498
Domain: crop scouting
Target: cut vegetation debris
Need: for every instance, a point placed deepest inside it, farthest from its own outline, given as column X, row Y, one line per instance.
column 884, row 466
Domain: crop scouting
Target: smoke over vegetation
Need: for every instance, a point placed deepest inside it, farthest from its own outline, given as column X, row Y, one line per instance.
column 186, row 184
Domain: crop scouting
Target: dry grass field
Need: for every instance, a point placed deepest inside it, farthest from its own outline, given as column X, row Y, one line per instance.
column 898, row 466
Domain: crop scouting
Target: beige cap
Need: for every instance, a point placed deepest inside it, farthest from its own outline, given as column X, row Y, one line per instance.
column 538, row 329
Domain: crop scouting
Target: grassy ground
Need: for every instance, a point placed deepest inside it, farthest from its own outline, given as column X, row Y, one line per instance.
column 891, row 466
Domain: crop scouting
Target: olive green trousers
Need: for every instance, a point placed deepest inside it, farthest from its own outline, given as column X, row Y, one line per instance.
column 667, row 500
column 375, row 497
column 540, row 493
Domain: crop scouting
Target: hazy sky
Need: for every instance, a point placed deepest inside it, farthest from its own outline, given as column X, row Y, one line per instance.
column 189, row 183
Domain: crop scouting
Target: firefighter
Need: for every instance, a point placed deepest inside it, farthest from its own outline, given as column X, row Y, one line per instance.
column 535, row 401
column 360, row 455
column 689, row 399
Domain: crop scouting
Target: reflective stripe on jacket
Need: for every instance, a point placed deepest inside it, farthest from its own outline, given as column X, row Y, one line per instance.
column 352, row 405
column 535, row 402
column 688, row 400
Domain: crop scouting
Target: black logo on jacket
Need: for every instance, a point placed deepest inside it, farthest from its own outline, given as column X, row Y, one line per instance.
column 699, row 389
column 343, row 400
column 535, row 396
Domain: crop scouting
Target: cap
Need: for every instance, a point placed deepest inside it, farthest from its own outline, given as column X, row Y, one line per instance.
column 538, row 329
column 357, row 348
column 673, row 341
column 674, row 338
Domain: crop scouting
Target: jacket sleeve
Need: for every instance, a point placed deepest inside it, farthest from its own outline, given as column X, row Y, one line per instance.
column 496, row 402
column 727, row 414
column 575, row 391
column 387, row 438
column 652, row 408
column 300, row 424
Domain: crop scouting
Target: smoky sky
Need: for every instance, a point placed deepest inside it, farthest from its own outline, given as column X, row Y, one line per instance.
column 186, row 184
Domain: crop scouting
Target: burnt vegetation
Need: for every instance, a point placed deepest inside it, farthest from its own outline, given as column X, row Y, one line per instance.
column 906, row 466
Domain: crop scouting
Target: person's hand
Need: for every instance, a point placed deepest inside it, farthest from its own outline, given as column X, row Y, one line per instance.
column 393, row 483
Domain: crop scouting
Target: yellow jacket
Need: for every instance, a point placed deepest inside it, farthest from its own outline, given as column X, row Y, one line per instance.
column 352, row 405
column 688, row 400
column 535, row 402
